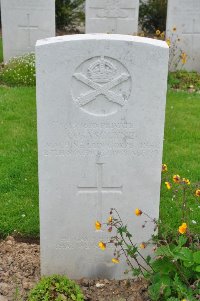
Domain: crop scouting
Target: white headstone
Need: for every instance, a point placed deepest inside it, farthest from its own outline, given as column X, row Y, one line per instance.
column 112, row 16
column 23, row 23
column 184, row 16
column 101, row 110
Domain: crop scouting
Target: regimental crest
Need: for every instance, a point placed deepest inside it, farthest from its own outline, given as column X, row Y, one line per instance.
column 101, row 85
column 102, row 71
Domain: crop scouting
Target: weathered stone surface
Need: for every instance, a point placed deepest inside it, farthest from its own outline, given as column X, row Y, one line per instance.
column 101, row 109
column 2, row 298
column 23, row 23
column 183, row 29
column 112, row 16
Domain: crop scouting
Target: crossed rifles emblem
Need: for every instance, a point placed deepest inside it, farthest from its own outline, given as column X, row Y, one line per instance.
column 101, row 89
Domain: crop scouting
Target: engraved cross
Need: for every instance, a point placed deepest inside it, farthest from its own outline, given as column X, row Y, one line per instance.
column 28, row 27
column 99, row 188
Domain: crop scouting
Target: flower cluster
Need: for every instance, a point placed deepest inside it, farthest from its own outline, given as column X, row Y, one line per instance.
column 102, row 245
column 176, row 258
column 183, row 185
column 160, row 34
column 177, row 55
column 178, row 180
column 19, row 71
column 116, row 222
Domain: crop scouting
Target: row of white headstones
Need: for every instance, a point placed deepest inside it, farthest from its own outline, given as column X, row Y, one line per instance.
column 100, row 114
column 26, row 21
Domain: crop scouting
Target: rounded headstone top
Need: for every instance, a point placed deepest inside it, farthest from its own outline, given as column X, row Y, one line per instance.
column 101, row 36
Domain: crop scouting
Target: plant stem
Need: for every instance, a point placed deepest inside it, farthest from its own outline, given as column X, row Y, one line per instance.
column 134, row 257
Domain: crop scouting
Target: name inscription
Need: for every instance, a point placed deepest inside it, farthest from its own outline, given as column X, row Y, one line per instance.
column 82, row 243
column 106, row 138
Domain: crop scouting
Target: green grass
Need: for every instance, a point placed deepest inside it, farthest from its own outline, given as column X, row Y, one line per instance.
column 181, row 153
column 184, row 80
column 18, row 161
column 18, row 157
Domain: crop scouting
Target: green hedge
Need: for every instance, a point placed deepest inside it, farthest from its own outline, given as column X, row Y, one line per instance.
column 69, row 13
column 153, row 15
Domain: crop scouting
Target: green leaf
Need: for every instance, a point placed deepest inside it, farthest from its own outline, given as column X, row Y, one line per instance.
column 184, row 254
column 136, row 272
column 188, row 264
column 131, row 251
column 129, row 235
column 182, row 240
column 196, row 257
column 167, row 291
column 197, row 269
column 160, row 287
column 148, row 259
column 154, row 291
column 122, row 230
column 73, row 297
column 165, row 280
column 164, row 251
column 181, row 288
column 163, row 266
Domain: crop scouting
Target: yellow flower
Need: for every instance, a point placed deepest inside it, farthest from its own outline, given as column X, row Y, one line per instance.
column 174, row 28
column 158, row 32
column 197, row 192
column 168, row 42
column 184, row 225
column 102, row 245
column 164, row 167
column 186, row 181
column 98, row 225
column 168, row 185
column 183, row 228
column 110, row 219
column 115, row 260
column 176, row 178
column 138, row 212
column 183, row 58
column 162, row 35
column 142, row 246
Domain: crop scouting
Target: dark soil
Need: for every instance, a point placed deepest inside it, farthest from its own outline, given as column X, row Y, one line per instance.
column 20, row 270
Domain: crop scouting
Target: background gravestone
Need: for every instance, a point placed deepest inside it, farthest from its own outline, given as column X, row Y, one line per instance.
column 112, row 16
column 101, row 110
column 23, row 23
column 184, row 15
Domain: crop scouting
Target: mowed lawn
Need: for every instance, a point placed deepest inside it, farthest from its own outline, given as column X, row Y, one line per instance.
column 18, row 162
column 182, row 155
column 18, row 158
